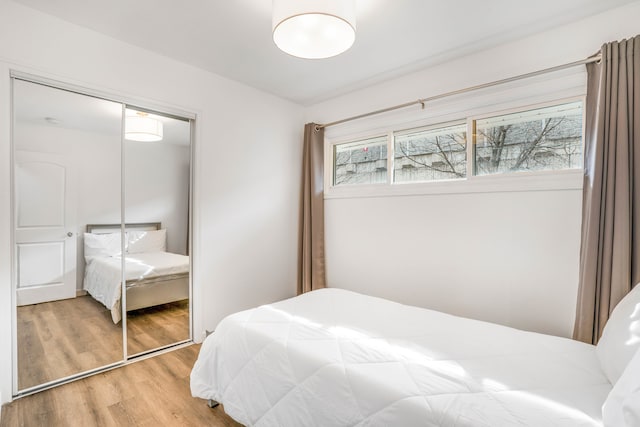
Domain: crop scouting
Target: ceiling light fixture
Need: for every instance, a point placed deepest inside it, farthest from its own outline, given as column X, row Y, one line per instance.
column 141, row 127
column 314, row 29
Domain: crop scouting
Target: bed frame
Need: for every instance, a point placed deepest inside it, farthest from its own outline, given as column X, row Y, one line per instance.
column 152, row 291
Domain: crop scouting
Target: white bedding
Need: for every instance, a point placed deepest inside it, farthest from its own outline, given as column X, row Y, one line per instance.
column 336, row 358
column 103, row 275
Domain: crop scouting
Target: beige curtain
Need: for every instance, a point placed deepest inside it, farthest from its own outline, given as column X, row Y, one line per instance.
column 610, row 250
column 311, row 273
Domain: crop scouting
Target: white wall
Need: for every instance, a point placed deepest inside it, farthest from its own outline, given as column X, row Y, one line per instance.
column 244, row 241
column 504, row 256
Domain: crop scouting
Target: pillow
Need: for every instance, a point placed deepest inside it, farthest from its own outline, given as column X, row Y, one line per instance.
column 622, row 407
column 101, row 245
column 621, row 336
column 147, row 241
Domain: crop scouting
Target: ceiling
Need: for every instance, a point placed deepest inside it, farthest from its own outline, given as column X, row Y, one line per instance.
column 232, row 38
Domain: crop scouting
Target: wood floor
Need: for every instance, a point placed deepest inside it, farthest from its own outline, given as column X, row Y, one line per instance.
column 152, row 392
column 61, row 338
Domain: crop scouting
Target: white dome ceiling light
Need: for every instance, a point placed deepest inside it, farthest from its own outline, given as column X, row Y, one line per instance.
column 141, row 127
column 314, row 29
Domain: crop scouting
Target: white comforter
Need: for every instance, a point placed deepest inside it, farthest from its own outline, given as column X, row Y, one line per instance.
column 336, row 358
column 103, row 275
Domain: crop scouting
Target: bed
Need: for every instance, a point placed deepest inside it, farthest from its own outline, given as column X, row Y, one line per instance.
column 333, row 357
column 153, row 275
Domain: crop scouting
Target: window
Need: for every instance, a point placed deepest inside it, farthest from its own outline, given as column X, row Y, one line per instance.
column 538, row 140
column 430, row 154
column 360, row 162
column 542, row 139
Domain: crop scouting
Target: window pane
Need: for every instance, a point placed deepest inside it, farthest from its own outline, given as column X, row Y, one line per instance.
column 360, row 162
column 430, row 155
column 542, row 139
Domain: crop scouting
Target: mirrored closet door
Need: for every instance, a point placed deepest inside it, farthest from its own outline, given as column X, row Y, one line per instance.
column 101, row 212
column 156, row 200
column 67, row 155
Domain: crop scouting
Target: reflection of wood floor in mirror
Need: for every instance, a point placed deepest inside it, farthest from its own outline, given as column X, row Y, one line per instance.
column 152, row 392
column 154, row 327
column 61, row 338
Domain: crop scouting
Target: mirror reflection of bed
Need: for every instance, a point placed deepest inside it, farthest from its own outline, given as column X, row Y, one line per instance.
column 157, row 282
column 58, row 338
column 80, row 160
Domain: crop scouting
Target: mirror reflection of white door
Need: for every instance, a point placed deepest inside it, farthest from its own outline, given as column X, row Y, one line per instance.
column 45, row 240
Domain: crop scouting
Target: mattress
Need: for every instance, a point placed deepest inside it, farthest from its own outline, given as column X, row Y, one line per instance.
column 103, row 275
column 335, row 358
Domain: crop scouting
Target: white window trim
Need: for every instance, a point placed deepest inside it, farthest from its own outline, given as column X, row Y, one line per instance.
column 567, row 179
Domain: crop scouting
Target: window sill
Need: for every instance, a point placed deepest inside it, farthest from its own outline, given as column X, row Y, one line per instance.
column 515, row 182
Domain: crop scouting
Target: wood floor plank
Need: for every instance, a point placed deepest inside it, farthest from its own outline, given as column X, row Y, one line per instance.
column 152, row 392
column 111, row 387
column 10, row 416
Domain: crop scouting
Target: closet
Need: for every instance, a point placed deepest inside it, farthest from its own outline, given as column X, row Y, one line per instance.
column 101, row 231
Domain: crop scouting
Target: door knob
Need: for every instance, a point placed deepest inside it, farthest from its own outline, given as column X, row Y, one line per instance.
column 69, row 234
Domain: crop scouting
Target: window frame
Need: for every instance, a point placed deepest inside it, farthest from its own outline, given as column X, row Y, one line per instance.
column 561, row 179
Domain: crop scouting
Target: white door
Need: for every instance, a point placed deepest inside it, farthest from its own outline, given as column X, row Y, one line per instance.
column 45, row 240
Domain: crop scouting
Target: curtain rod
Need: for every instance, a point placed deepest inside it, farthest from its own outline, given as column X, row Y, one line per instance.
column 422, row 101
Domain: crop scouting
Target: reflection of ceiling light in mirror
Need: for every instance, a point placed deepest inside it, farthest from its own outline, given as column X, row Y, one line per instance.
column 52, row 121
column 141, row 127
column 314, row 29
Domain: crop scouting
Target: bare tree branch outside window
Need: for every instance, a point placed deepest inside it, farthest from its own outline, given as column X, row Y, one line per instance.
column 432, row 154
column 544, row 139
column 548, row 138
